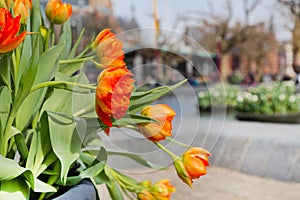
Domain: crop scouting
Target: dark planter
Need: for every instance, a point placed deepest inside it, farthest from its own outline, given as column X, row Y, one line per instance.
column 84, row 190
column 296, row 68
column 277, row 118
column 217, row 109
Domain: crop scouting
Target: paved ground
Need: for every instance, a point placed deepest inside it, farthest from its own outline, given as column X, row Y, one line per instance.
column 265, row 150
column 224, row 184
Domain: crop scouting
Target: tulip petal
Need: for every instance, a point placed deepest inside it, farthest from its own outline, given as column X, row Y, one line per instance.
column 9, row 27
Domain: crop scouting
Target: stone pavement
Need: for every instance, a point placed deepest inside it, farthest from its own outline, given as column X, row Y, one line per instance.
column 251, row 160
column 222, row 184
column 263, row 149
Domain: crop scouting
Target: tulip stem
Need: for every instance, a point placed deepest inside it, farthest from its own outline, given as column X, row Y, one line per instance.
column 174, row 157
column 75, row 60
column 84, row 111
column 177, row 142
column 124, row 181
column 49, row 33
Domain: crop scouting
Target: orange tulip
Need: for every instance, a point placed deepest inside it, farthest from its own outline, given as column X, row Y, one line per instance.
column 5, row 4
column 9, row 28
column 192, row 165
column 113, row 93
column 145, row 195
column 109, row 49
column 22, row 7
column 157, row 131
column 58, row 12
column 161, row 190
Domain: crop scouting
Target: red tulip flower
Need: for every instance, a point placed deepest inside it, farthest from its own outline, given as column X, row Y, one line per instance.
column 9, row 28
column 113, row 93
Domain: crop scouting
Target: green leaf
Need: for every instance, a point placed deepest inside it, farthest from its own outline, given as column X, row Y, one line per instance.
column 140, row 99
column 25, row 58
column 124, row 178
column 21, row 144
column 114, row 190
column 47, row 68
column 49, row 159
column 75, row 46
column 136, row 158
column 48, row 63
column 60, row 102
column 10, row 169
column 40, row 186
column 112, row 186
column 66, row 38
column 5, row 71
column 27, row 78
column 65, row 140
column 83, row 101
column 132, row 119
column 70, row 68
column 36, row 16
column 97, row 166
column 40, row 147
column 14, row 189
column 5, row 99
column 101, row 178
column 73, row 180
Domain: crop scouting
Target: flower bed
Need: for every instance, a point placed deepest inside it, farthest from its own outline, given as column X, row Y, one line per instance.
column 220, row 96
column 276, row 102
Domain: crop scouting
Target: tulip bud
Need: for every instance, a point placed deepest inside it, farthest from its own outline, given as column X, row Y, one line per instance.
column 192, row 164
column 43, row 32
column 109, row 49
column 162, row 189
column 157, row 131
column 145, row 195
column 58, row 12
column 182, row 173
column 23, row 8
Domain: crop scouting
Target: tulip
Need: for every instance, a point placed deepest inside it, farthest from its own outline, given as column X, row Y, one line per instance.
column 192, row 165
column 22, row 7
column 58, row 12
column 145, row 195
column 157, row 131
column 113, row 93
column 161, row 190
column 182, row 172
column 109, row 49
column 9, row 27
column 5, row 4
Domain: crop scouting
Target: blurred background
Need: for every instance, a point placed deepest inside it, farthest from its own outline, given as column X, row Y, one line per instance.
column 250, row 41
column 242, row 62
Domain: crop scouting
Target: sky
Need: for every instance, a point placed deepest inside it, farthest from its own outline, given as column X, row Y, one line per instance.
column 170, row 10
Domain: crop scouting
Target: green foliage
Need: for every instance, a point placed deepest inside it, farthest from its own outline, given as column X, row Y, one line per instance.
column 275, row 98
column 48, row 125
column 219, row 95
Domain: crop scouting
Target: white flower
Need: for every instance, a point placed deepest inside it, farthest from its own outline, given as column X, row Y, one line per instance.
column 201, row 94
column 248, row 95
column 292, row 98
column 281, row 97
column 254, row 98
column 240, row 98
